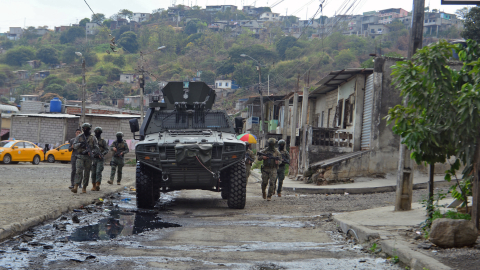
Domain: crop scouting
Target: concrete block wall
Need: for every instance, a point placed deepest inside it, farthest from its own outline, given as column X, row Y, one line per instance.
column 33, row 107
column 38, row 129
column 109, row 125
column 72, row 125
column 51, row 130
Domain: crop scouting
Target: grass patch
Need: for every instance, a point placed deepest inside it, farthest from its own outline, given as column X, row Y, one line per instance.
column 131, row 161
column 257, row 164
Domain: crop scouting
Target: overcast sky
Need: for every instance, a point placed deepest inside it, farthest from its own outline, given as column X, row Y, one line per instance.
column 20, row 13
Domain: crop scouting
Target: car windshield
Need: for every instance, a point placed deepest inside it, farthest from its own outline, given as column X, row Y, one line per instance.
column 6, row 144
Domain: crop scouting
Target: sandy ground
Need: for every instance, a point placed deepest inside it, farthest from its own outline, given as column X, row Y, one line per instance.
column 28, row 191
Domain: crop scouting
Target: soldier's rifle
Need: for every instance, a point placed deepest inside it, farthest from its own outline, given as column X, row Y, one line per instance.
column 87, row 146
column 284, row 160
column 248, row 157
column 270, row 156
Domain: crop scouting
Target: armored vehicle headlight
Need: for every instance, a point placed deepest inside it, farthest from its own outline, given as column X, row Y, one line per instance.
column 152, row 149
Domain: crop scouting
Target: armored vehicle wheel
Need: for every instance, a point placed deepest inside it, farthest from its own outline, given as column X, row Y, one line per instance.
column 238, row 186
column 225, row 192
column 144, row 186
column 224, row 184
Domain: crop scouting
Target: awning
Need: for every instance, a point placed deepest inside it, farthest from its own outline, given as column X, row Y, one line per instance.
column 8, row 108
column 337, row 78
column 4, row 131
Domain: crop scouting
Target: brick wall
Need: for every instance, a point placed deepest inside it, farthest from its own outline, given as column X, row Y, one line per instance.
column 51, row 130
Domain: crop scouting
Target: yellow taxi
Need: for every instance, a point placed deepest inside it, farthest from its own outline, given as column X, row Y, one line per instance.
column 60, row 153
column 12, row 152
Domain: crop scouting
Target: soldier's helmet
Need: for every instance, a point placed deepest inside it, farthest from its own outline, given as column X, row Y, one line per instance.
column 86, row 126
column 272, row 141
column 98, row 129
column 281, row 142
column 119, row 134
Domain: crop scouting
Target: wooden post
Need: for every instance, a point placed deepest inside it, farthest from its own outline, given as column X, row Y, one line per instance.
column 293, row 127
column 285, row 119
column 431, row 175
column 404, row 192
column 303, row 156
column 476, row 187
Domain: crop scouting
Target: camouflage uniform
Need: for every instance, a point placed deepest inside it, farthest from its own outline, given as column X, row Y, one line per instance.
column 98, row 163
column 248, row 163
column 84, row 161
column 118, row 160
column 281, row 169
column 269, row 169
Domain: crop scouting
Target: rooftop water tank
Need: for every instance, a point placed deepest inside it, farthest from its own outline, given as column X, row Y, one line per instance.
column 55, row 105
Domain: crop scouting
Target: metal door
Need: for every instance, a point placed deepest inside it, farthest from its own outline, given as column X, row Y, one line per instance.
column 367, row 114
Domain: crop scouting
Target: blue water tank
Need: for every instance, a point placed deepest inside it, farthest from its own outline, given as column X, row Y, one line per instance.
column 56, row 105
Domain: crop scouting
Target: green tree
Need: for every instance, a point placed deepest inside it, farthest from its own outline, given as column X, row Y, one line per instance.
column 128, row 41
column 283, row 44
column 48, row 55
column 433, row 88
column 126, row 13
column 68, row 55
column 462, row 13
column 71, row 91
column 244, row 74
column 344, row 58
column 98, row 18
column 54, row 88
column 208, row 77
column 19, row 55
column 7, row 44
column 120, row 61
column 71, row 34
column 293, row 52
column 53, row 79
column 471, row 28
column 191, row 27
column 83, row 22
column 91, row 59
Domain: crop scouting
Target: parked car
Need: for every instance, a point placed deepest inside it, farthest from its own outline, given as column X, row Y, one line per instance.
column 60, row 153
column 12, row 152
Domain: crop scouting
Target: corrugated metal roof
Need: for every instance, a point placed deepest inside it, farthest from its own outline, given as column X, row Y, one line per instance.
column 336, row 78
column 114, row 115
column 8, row 108
column 46, row 115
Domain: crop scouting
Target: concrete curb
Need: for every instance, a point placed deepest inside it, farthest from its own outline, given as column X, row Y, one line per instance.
column 366, row 190
column 19, row 227
column 415, row 260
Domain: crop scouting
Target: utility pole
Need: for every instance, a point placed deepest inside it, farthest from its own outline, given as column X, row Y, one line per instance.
column 304, row 125
column 84, row 85
column 286, row 108
column 141, row 81
column 404, row 192
column 262, row 122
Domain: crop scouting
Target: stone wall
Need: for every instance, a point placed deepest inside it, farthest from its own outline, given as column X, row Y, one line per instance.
column 33, row 107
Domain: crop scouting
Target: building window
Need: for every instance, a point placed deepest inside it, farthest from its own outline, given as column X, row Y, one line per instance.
column 379, row 29
column 372, row 30
column 219, row 84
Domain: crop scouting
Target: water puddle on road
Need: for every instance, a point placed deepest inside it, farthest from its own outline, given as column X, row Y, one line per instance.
column 120, row 223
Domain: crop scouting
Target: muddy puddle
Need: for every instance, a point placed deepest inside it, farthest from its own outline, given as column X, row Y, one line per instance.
column 120, row 224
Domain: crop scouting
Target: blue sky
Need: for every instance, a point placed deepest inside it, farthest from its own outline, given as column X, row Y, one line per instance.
column 65, row 12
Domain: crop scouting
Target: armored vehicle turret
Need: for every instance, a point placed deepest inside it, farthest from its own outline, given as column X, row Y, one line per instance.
column 185, row 144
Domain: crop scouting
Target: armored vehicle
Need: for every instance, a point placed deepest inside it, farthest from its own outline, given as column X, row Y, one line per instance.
column 185, row 144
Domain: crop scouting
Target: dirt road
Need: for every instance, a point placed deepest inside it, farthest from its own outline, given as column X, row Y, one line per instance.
column 196, row 230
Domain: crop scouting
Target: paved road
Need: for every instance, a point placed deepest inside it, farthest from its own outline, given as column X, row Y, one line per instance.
column 193, row 230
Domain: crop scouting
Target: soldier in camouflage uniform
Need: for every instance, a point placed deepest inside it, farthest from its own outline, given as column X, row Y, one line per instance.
column 98, row 160
column 249, row 157
column 119, row 148
column 84, row 157
column 281, row 169
column 269, row 168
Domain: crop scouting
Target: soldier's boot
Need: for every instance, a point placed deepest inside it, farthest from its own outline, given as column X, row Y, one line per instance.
column 110, row 182
column 84, row 189
column 74, row 189
column 269, row 198
column 94, row 187
column 118, row 183
column 264, row 193
column 97, row 187
column 279, row 194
